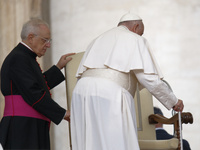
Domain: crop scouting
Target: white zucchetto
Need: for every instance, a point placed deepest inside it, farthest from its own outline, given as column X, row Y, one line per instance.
column 129, row 17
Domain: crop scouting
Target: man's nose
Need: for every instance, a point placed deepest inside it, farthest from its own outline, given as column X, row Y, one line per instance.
column 48, row 44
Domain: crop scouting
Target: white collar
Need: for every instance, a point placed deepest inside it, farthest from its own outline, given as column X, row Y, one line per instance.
column 26, row 45
column 160, row 128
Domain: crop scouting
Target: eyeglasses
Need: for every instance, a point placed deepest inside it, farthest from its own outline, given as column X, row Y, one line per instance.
column 45, row 40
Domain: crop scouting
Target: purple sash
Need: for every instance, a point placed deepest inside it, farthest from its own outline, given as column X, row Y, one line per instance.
column 16, row 106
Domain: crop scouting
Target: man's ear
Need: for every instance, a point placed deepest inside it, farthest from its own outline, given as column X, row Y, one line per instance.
column 134, row 29
column 30, row 37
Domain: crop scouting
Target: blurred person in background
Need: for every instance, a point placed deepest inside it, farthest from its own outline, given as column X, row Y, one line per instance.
column 162, row 134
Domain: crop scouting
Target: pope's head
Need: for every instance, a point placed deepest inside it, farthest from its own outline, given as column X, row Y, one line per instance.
column 133, row 22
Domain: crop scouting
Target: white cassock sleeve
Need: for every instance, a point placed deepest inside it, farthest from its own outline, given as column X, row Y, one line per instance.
column 157, row 88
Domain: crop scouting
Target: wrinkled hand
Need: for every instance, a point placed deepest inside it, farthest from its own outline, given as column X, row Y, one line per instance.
column 67, row 115
column 179, row 106
column 64, row 60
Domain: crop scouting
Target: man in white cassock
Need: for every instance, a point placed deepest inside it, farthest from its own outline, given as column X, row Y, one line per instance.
column 102, row 111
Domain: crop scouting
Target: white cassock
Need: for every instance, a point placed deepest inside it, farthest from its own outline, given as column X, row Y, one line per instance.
column 102, row 111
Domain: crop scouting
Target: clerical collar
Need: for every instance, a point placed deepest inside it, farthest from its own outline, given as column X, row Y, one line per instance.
column 26, row 46
column 159, row 128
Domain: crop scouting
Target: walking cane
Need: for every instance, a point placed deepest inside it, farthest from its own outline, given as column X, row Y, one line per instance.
column 180, row 130
column 179, row 122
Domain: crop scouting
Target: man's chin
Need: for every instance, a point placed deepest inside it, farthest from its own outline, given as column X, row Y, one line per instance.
column 40, row 55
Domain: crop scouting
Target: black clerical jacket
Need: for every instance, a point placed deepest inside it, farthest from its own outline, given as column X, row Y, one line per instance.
column 22, row 75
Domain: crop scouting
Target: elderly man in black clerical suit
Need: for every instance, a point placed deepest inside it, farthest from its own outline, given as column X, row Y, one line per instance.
column 162, row 134
column 29, row 107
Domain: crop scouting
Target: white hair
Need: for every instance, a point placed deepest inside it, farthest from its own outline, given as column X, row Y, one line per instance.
column 32, row 26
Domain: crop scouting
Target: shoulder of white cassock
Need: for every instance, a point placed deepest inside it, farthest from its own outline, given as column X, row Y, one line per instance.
column 137, row 54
